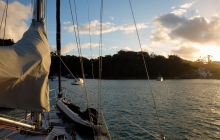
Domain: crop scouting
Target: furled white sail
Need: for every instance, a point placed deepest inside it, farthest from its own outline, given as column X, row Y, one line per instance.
column 24, row 69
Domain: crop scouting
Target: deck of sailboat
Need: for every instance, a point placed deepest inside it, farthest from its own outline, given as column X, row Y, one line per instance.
column 61, row 130
column 16, row 135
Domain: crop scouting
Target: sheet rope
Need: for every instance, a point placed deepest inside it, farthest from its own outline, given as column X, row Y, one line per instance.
column 161, row 131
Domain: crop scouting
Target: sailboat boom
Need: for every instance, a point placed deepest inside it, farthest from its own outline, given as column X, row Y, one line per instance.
column 17, row 123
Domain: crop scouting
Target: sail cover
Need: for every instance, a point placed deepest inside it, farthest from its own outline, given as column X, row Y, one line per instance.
column 24, row 69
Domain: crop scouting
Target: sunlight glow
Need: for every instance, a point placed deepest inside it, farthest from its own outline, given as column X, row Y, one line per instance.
column 210, row 50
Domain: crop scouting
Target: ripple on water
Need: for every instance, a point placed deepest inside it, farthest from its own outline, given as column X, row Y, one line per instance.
column 188, row 109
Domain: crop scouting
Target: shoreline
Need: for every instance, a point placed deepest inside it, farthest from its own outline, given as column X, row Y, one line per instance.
column 145, row 78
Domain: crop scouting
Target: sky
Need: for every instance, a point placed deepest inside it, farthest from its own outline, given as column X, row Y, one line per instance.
column 187, row 28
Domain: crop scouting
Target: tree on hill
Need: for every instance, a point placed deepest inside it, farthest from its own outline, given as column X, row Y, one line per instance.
column 126, row 64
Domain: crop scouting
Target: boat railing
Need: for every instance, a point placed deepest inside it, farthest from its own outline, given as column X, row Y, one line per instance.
column 55, row 93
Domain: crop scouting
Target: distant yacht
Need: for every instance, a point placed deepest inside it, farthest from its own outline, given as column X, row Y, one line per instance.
column 78, row 81
column 159, row 78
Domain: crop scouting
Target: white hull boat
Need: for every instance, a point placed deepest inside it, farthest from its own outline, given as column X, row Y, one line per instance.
column 78, row 81
column 159, row 78
column 72, row 113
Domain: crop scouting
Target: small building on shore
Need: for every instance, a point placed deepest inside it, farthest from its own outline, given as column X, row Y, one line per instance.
column 204, row 73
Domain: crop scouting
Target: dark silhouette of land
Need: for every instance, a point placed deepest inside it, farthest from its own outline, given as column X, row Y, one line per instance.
column 130, row 65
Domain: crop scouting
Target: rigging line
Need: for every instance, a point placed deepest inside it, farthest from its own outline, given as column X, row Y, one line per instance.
column 106, row 125
column 45, row 15
column 45, row 8
column 32, row 11
column 146, row 71
column 81, row 61
column 3, row 16
column 82, row 68
column 80, row 57
column 90, row 40
column 73, row 23
column 73, row 27
column 100, row 61
column 77, row 38
column 66, row 66
column 79, row 47
column 79, row 44
column 5, row 22
column 69, row 72
column 117, row 127
column 141, row 128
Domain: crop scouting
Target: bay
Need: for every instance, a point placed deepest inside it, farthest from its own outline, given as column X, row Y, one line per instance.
column 187, row 109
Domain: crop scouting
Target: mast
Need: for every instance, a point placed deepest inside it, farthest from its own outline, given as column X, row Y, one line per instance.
column 38, row 17
column 38, row 11
column 58, row 37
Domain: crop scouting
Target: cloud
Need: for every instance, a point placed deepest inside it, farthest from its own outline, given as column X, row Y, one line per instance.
column 53, row 48
column 126, row 49
column 17, row 16
column 89, row 56
column 173, row 7
column 107, row 27
column 169, row 20
column 179, row 11
column 112, row 18
column 165, row 54
column 114, row 47
column 129, row 32
column 187, row 5
column 159, row 34
column 146, row 48
column 131, row 27
column 66, row 22
column 94, row 28
column 187, row 52
column 196, row 30
column 193, row 12
column 70, row 47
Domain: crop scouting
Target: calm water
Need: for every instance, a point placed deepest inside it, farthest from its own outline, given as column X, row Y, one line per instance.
column 188, row 109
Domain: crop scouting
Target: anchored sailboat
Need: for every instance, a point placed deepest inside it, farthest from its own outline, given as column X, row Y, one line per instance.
column 78, row 81
column 159, row 78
